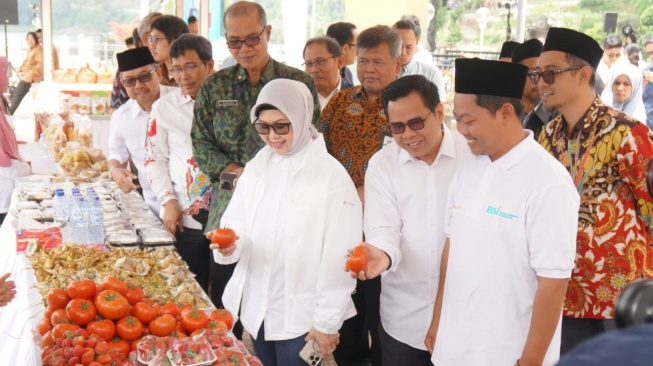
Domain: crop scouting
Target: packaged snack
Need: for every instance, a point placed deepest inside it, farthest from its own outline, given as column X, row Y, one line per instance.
column 34, row 214
column 27, row 205
column 151, row 347
column 132, row 265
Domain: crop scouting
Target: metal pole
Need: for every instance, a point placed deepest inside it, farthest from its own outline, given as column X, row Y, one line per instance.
column 6, row 42
column 508, row 31
column 521, row 20
column 46, row 19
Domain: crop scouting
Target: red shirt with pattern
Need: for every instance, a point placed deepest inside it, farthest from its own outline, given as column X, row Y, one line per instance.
column 609, row 156
column 354, row 129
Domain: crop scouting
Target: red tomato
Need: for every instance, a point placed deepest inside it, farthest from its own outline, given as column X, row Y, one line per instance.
column 120, row 345
column 102, row 328
column 59, row 330
column 84, row 289
column 163, row 325
column 144, row 312
column 357, row 260
column 59, row 317
column 169, row 308
column 57, row 298
column 47, row 339
column 193, row 320
column 43, row 326
column 223, row 237
column 134, row 294
column 115, row 284
column 111, row 305
column 224, row 316
column 129, row 328
column 80, row 311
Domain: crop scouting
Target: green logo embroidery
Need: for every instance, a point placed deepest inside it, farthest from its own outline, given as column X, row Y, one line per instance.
column 496, row 211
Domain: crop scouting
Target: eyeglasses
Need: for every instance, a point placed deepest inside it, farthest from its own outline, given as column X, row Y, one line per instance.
column 143, row 78
column 415, row 124
column 236, row 44
column 279, row 128
column 549, row 75
column 190, row 68
column 154, row 40
column 319, row 63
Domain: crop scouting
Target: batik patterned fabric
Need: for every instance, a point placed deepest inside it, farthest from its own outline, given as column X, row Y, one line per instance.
column 164, row 75
column 610, row 158
column 354, row 129
column 222, row 133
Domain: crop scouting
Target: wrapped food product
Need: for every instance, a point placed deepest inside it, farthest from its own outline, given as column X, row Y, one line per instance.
column 151, row 347
column 96, row 155
column 132, row 265
column 46, row 204
column 86, row 76
column 156, row 237
column 104, row 75
column 122, row 240
column 37, row 196
column 34, row 214
column 48, row 214
column 192, row 351
column 27, row 205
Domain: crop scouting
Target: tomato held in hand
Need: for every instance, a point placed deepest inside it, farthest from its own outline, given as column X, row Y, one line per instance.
column 223, row 237
column 81, row 311
column 357, row 260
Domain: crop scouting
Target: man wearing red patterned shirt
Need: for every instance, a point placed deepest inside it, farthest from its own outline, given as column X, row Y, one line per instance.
column 609, row 156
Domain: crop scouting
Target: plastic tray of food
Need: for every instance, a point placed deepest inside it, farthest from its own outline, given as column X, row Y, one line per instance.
column 34, row 214
column 26, row 205
column 122, row 240
column 191, row 351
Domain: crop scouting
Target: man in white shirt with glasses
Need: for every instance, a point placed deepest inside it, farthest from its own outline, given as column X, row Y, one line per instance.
column 129, row 122
column 406, row 187
column 183, row 190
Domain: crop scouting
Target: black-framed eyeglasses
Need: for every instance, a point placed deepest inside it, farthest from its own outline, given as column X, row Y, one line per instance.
column 236, row 44
column 143, row 78
column 319, row 63
column 190, row 68
column 415, row 124
column 549, row 75
column 279, row 128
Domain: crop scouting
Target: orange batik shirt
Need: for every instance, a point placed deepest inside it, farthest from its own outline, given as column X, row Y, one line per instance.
column 610, row 158
column 354, row 129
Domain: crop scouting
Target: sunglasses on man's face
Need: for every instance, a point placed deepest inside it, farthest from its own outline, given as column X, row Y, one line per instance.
column 549, row 75
column 415, row 124
column 143, row 78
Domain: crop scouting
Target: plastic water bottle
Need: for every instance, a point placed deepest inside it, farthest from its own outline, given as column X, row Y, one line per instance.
column 96, row 220
column 79, row 218
column 61, row 207
column 43, row 146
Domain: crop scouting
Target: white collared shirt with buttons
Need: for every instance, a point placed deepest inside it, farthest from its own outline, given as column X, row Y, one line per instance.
column 429, row 71
column 325, row 100
column 509, row 221
column 127, row 139
column 169, row 161
column 405, row 201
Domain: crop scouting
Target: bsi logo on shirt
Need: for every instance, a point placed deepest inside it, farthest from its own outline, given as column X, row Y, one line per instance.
column 496, row 211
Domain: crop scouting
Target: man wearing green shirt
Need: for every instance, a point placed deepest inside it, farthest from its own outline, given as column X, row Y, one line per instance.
column 223, row 139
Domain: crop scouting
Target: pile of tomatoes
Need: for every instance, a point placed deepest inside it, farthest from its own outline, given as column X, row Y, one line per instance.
column 110, row 319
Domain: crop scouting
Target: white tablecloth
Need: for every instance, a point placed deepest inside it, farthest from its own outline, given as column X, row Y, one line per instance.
column 19, row 317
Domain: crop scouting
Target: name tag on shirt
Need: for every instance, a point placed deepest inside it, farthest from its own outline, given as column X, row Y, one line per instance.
column 227, row 103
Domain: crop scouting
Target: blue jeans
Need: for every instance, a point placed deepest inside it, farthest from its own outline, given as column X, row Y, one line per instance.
column 278, row 353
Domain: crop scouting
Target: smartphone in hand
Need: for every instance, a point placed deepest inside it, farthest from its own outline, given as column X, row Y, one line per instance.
column 311, row 353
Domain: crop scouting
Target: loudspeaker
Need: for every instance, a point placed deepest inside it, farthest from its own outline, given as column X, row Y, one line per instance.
column 9, row 12
column 609, row 21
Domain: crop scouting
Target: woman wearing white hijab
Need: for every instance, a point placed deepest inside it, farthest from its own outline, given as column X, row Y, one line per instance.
column 624, row 91
column 296, row 213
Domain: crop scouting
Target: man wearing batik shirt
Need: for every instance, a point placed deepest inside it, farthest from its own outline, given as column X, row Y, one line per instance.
column 355, row 127
column 182, row 189
column 608, row 155
column 223, row 138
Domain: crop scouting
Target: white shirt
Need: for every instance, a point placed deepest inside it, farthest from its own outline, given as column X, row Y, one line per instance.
column 7, row 174
column 318, row 217
column 169, row 162
column 127, row 132
column 509, row 222
column 429, row 71
column 325, row 100
column 405, row 201
column 605, row 71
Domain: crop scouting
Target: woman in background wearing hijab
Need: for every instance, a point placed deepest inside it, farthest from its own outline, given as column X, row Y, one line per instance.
column 624, row 91
column 11, row 164
column 296, row 213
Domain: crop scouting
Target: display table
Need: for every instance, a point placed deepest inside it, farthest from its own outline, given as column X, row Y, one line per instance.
column 20, row 316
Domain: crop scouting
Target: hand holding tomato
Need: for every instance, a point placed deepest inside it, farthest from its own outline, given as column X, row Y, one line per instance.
column 222, row 238
column 367, row 262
